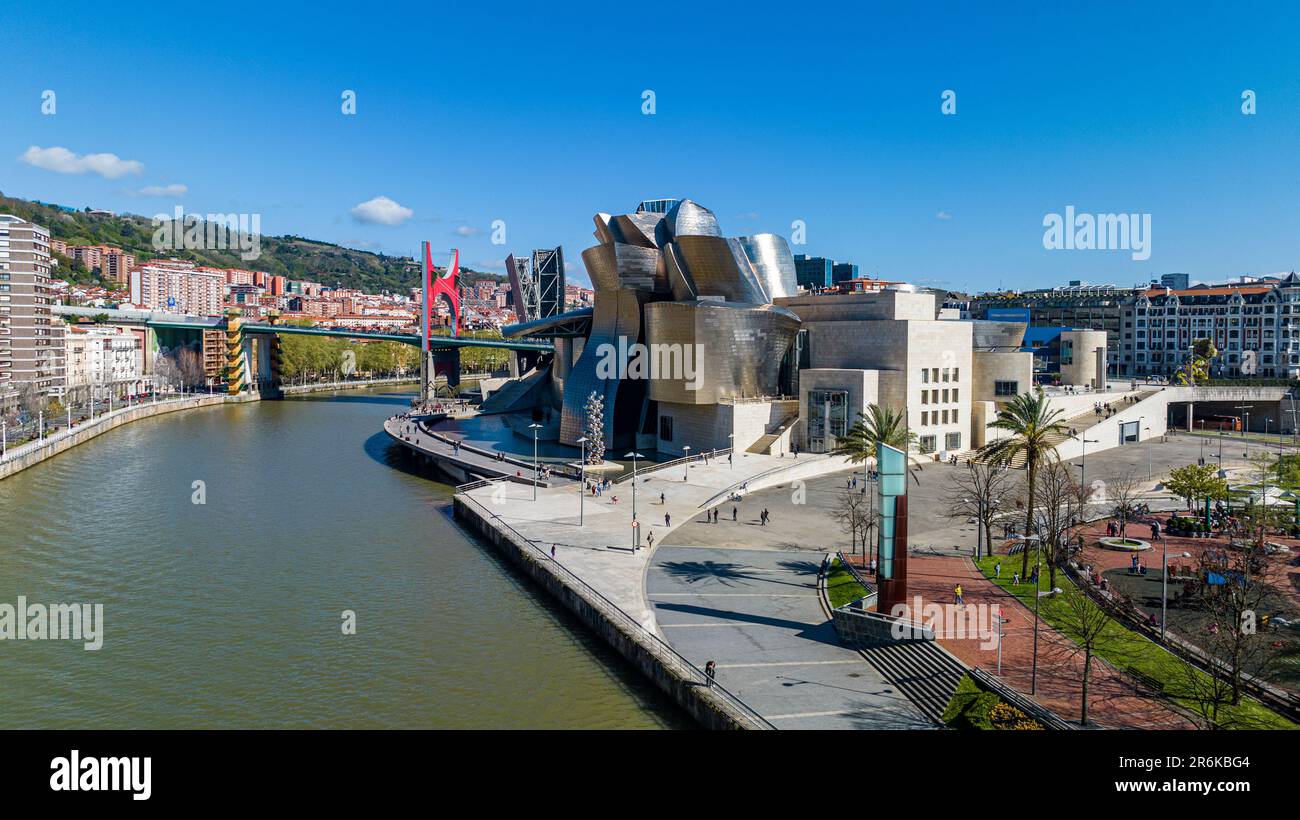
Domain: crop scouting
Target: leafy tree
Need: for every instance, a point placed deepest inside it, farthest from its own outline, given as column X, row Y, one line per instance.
column 1195, row 482
column 877, row 424
column 1196, row 367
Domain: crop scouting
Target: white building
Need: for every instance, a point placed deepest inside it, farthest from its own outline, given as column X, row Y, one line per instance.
column 103, row 356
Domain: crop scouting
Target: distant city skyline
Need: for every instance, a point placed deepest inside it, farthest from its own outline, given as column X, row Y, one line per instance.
column 837, row 126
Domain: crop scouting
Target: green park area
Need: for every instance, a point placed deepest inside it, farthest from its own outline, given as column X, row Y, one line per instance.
column 1183, row 684
column 841, row 586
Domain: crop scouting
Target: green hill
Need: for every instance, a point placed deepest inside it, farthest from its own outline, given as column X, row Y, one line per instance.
column 293, row 256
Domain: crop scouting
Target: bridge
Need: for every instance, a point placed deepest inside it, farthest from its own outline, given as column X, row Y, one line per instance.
column 252, row 350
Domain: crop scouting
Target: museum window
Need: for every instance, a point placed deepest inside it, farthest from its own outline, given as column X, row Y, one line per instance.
column 926, row 444
column 1006, row 388
column 666, row 428
column 952, row 441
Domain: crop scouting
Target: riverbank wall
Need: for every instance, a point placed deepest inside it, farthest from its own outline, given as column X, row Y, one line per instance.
column 712, row 707
column 297, row 389
column 33, row 453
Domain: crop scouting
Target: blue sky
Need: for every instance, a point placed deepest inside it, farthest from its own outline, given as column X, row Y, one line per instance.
column 830, row 114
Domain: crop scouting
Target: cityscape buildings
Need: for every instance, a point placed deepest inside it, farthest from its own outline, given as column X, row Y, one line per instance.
column 31, row 339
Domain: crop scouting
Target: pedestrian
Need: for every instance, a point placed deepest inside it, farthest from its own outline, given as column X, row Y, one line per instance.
column 668, row 520
column 552, row 552
column 661, row 498
column 957, row 591
column 1015, row 579
column 710, row 672
column 733, row 513
column 997, row 570
column 649, row 541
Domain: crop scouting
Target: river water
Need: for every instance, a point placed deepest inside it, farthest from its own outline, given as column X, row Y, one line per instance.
column 229, row 613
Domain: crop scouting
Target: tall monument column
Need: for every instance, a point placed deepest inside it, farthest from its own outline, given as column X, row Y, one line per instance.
column 891, row 539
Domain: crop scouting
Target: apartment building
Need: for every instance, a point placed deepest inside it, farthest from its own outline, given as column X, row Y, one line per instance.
column 103, row 356
column 178, row 287
column 1255, row 326
column 31, row 338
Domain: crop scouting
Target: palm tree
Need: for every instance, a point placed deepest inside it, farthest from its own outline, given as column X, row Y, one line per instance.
column 877, row 424
column 1031, row 425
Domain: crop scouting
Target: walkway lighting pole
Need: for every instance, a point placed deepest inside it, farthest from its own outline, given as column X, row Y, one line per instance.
column 1083, row 477
column 40, row 428
column 731, row 456
column 4, row 438
column 686, row 466
column 535, row 427
column 636, row 531
column 1149, row 474
column 1038, row 564
column 1164, row 583
column 582, row 481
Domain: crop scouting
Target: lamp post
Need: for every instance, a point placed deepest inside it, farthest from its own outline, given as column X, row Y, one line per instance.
column 582, row 479
column 534, row 427
column 686, row 465
column 1149, row 474
column 731, row 456
column 40, row 425
column 4, row 438
column 636, row 531
column 1083, row 438
column 1038, row 564
column 1164, row 583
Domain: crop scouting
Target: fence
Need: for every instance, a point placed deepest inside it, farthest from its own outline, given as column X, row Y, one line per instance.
column 678, row 462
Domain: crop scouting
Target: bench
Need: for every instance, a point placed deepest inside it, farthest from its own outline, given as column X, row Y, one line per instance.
column 1155, row 685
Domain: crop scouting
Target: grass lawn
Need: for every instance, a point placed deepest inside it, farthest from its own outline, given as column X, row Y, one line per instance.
column 841, row 586
column 973, row 708
column 1125, row 648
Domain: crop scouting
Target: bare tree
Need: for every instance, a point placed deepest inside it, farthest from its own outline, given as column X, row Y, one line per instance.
column 1122, row 496
column 855, row 518
column 1085, row 623
column 190, row 367
column 1062, row 506
column 976, row 494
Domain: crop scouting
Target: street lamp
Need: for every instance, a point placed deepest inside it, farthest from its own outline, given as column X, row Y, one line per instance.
column 534, row 427
column 636, row 530
column 582, row 479
column 1148, row 430
column 731, row 455
column 1083, row 438
column 1038, row 575
column 686, row 466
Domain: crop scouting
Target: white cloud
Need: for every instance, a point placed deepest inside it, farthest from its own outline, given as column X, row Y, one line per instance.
column 173, row 190
column 63, row 161
column 381, row 211
column 944, row 215
column 467, row 230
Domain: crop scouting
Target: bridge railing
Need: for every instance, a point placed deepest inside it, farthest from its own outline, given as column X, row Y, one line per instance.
column 677, row 462
column 670, row 657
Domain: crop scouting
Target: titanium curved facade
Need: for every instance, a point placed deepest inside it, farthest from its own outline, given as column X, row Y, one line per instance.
column 683, row 316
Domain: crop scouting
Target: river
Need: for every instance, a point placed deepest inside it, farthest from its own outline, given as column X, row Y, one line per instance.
column 228, row 613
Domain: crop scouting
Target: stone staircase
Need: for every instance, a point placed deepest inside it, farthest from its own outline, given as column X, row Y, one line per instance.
column 763, row 445
column 1081, row 423
column 922, row 670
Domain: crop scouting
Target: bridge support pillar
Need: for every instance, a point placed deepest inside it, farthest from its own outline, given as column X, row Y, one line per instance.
column 1191, row 425
column 234, row 352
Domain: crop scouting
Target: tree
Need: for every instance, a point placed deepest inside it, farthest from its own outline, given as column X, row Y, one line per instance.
column 877, row 424
column 1061, row 505
column 1033, row 428
column 856, row 518
column 976, row 495
column 1122, row 497
column 1195, row 482
column 1084, row 623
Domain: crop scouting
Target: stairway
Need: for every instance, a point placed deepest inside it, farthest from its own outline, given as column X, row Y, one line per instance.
column 763, row 445
column 1081, row 423
column 921, row 670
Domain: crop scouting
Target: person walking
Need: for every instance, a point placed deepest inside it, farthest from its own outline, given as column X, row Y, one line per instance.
column 733, row 513
column 710, row 672
column 661, row 498
column 997, row 570
column 668, row 520
column 552, row 552
column 650, row 541
column 1015, row 579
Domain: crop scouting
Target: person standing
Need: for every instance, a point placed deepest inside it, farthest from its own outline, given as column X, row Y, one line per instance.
column 957, row 592
column 997, row 570
column 668, row 520
column 733, row 513
column 710, row 672
column 649, row 541
column 661, row 499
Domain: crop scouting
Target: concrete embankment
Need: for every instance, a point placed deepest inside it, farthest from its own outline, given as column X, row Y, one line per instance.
column 295, row 389
column 711, row 706
column 20, row 458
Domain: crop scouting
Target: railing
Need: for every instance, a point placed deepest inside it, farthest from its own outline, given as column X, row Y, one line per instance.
column 1030, row 707
column 560, row 469
column 755, row 399
column 671, row 657
column 677, row 462
column 857, row 576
